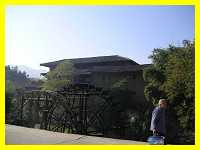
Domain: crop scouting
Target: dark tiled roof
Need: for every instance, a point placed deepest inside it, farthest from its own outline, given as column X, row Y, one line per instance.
column 124, row 68
column 109, row 69
column 112, row 58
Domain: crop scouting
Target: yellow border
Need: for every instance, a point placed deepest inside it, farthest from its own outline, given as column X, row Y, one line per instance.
column 2, row 73
column 99, row 2
column 5, row 3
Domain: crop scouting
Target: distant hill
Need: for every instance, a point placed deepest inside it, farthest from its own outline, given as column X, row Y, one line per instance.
column 33, row 73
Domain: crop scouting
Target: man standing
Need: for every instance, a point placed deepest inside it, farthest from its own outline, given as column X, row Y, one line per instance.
column 158, row 125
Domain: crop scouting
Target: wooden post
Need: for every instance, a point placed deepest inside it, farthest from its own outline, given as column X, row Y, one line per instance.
column 85, row 114
column 45, row 112
column 22, row 107
column 30, row 112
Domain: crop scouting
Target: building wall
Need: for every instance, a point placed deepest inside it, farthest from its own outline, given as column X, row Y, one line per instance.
column 106, row 80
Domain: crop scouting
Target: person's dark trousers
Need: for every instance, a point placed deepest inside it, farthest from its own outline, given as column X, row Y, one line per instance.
column 161, row 134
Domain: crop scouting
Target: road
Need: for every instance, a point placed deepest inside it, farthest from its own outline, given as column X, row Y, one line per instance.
column 22, row 135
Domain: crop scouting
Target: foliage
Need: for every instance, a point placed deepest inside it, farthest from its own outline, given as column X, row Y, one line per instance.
column 8, row 103
column 15, row 79
column 60, row 76
column 172, row 77
column 128, row 115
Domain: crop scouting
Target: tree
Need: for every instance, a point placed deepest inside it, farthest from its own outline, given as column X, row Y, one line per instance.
column 128, row 115
column 15, row 80
column 63, row 74
column 8, row 103
column 172, row 77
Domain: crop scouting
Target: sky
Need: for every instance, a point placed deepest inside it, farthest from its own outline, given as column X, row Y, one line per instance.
column 39, row 34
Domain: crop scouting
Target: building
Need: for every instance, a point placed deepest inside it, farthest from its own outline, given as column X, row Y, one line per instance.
column 105, row 71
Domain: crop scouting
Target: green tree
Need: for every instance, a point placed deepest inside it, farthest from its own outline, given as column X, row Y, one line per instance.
column 63, row 74
column 8, row 103
column 172, row 77
column 15, row 80
column 128, row 115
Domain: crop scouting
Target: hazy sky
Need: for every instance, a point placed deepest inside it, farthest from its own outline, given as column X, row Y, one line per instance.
column 39, row 34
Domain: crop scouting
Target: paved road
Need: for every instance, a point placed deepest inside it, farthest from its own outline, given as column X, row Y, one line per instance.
column 22, row 135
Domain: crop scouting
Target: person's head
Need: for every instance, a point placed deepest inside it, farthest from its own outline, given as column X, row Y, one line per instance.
column 163, row 103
